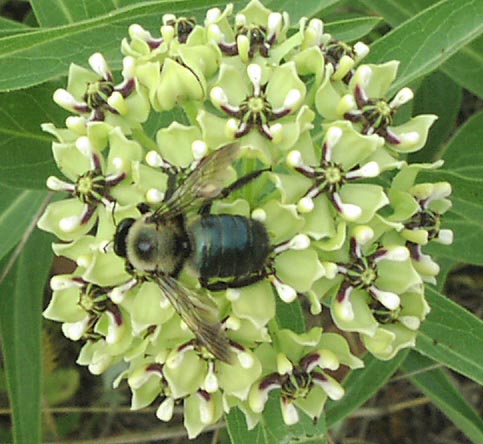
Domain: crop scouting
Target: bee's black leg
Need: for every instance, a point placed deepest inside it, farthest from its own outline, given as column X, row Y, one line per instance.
column 234, row 283
column 239, row 183
column 143, row 208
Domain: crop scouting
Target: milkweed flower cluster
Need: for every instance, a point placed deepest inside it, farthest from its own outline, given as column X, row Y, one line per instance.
column 347, row 215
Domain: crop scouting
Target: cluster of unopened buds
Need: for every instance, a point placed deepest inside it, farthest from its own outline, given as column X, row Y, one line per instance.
column 283, row 133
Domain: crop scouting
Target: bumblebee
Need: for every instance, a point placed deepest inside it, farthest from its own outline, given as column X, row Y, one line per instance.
column 163, row 242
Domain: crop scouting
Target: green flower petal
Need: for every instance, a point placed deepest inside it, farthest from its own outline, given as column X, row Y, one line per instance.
column 181, row 137
column 380, row 78
column 370, row 198
column 255, row 303
column 64, row 306
column 299, row 269
column 70, row 160
column 190, row 379
column 199, row 413
column 418, row 126
column 397, row 277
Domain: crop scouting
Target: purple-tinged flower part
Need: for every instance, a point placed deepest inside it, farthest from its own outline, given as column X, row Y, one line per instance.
column 397, row 330
column 262, row 107
column 373, row 275
column 297, row 369
column 319, row 49
column 146, row 380
column 124, row 104
column 255, row 31
column 201, row 409
column 364, row 105
column 342, row 161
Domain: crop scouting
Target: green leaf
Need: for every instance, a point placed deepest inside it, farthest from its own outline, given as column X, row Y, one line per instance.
column 10, row 27
column 452, row 336
column 427, row 40
column 17, row 208
column 439, row 95
column 20, row 329
column 437, row 385
column 299, row 8
column 464, row 170
column 361, row 385
column 25, row 150
column 352, row 29
column 464, row 67
column 32, row 54
column 290, row 315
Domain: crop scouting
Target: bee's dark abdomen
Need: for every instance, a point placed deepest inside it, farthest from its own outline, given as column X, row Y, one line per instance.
column 224, row 245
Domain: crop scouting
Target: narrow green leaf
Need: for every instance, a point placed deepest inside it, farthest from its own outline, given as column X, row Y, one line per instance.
column 17, row 207
column 290, row 316
column 464, row 170
column 452, row 336
column 299, row 8
column 361, row 385
column 20, row 331
column 50, row 13
column 437, row 385
column 427, row 40
column 32, row 54
column 464, row 67
column 439, row 95
column 10, row 27
column 352, row 29
column 25, row 150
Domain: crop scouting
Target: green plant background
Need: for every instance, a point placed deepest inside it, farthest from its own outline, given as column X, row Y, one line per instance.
column 440, row 46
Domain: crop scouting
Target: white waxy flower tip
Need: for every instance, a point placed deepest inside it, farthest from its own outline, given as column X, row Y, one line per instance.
column 411, row 322
column 305, row 205
column 370, row 169
column 168, row 18
column 259, row 214
column 397, row 254
column 294, row 159
column 175, row 360
column 316, row 26
column 334, row 133
column 285, row 292
column 274, row 24
column 440, row 190
column 118, row 163
column 363, row 234
column 300, row 242
column 117, row 101
column 165, row 410
column 333, row 389
column 231, row 127
column 346, row 63
column 403, row 96
column 154, row 196
column 245, row 359
column 290, row 414
column 154, row 159
column 117, row 295
column 76, row 124
column 389, row 299
column 211, row 381
column 75, row 330
column 69, row 224
column 292, row 99
column 344, row 310
column 350, row 212
column 277, row 132
column 361, row 50
column 233, row 294
column 113, row 331
column 212, row 15
column 232, row 323
column 240, row 20
column 254, row 72
column 167, row 32
column 99, row 65
column 409, row 138
column 128, row 67
column 445, row 236
column 218, row 96
column 213, row 32
column 199, row 149
column 284, row 366
column 364, row 73
column 328, row 359
column 84, row 145
column 61, row 283
column 207, row 411
column 55, row 184
column 83, row 261
column 138, row 31
column 64, row 98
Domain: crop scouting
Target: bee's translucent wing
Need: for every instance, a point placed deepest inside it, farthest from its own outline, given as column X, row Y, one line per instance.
column 204, row 183
column 199, row 316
